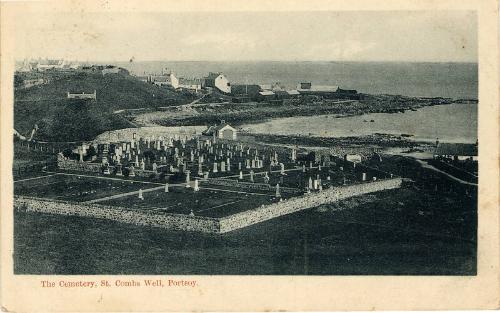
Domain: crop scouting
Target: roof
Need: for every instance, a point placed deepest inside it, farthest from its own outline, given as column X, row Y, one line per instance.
column 266, row 93
column 189, row 81
column 212, row 75
column 225, row 125
column 463, row 149
column 319, row 88
column 245, row 89
column 293, row 92
column 211, row 129
column 161, row 79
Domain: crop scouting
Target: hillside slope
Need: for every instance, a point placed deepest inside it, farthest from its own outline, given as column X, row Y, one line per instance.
column 61, row 119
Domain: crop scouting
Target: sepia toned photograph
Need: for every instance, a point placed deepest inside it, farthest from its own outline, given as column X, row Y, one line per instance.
column 246, row 143
column 189, row 156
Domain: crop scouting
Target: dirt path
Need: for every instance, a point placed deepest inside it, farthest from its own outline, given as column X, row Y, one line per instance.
column 428, row 166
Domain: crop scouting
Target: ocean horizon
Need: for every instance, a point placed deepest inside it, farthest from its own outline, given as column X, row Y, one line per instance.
column 417, row 79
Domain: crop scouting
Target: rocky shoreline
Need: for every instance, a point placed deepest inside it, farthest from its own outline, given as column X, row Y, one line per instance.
column 247, row 113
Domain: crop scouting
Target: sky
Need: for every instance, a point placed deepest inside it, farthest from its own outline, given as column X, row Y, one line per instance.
column 419, row 36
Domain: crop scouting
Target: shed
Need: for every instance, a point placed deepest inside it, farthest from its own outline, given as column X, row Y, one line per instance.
column 222, row 131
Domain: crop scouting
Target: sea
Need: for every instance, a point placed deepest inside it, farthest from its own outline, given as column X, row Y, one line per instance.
column 455, row 123
column 449, row 123
column 450, row 80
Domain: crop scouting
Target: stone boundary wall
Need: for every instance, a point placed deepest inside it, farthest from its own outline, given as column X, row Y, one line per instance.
column 169, row 221
column 292, row 205
column 253, row 186
column 256, row 145
column 73, row 165
column 340, row 151
column 199, row 223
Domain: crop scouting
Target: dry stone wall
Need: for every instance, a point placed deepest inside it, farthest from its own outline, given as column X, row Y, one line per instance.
column 170, row 221
column 246, row 185
column 292, row 205
column 199, row 223
column 72, row 165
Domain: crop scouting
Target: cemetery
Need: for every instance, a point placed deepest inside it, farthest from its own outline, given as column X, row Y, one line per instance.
column 200, row 177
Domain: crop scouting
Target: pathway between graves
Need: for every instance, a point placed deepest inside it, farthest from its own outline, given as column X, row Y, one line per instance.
column 109, row 178
column 33, row 178
column 131, row 193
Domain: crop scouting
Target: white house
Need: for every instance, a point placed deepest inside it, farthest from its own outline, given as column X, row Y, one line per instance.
column 174, row 81
column 217, row 80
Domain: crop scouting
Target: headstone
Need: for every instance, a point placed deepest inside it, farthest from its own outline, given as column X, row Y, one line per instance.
column 363, row 177
column 155, row 167
column 80, row 152
column 241, row 175
column 166, row 187
column 278, row 194
column 310, row 183
column 282, row 169
column 223, row 166
column 215, row 167
column 131, row 172
column 196, row 187
column 119, row 170
column 251, row 175
column 140, row 194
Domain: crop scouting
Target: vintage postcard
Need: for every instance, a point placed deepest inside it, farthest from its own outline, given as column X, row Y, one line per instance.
column 249, row 156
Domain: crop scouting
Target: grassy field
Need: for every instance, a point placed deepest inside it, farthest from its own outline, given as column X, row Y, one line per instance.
column 426, row 228
column 60, row 119
column 210, row 201
column 75, row 188
column 397, row 232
